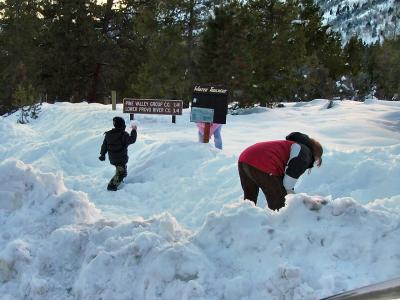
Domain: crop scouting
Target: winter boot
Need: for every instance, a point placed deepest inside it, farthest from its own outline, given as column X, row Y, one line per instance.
column 111, row 187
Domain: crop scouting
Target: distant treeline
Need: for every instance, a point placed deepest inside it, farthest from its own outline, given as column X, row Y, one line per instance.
column 263, row 51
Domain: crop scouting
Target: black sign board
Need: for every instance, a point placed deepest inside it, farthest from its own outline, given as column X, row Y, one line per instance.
column 211, row 97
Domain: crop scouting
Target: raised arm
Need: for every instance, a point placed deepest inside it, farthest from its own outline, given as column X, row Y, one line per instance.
column 130, row 139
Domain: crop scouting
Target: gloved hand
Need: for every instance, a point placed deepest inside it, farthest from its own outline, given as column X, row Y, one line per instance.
column 102, row 157
column 134, row 125
column 291, row 191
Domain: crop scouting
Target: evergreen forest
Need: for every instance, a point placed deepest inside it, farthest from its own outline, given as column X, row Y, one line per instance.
column 263, row 51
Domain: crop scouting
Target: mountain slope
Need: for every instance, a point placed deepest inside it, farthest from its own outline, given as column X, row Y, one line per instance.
column 371, row 20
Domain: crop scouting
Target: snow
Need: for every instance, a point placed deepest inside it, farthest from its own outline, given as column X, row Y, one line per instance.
column 178, row 228
column 372, row 21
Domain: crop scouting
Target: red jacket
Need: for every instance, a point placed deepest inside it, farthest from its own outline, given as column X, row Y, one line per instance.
column 270, row 157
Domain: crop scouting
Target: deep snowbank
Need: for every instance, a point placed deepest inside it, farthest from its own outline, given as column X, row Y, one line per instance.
column 169, row 171
column 363, row 174
column 56, row 245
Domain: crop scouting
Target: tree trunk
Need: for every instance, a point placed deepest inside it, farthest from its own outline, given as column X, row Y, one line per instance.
column 96, row 76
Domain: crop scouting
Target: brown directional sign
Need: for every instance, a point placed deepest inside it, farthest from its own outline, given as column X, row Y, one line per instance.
column 153, row 106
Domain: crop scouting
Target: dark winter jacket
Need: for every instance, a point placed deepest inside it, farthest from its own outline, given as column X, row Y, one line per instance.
column 116, row 142
column 305, row 140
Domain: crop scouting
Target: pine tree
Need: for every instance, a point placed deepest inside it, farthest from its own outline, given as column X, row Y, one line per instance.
column 387, row 70
column 225, row 58
column 195, row 14
column 19, row 27
column 279, row 49
column 355, row 53
column 162, row 73
column 70, row 49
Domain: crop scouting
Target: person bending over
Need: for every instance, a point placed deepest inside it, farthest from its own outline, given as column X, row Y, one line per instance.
column 275, row 166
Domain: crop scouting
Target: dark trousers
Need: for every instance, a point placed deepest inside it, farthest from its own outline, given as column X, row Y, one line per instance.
column 120, row 174
column 253, row 179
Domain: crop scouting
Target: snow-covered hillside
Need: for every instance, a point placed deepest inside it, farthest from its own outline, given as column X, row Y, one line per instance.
column 178, row 228
column 371, row 20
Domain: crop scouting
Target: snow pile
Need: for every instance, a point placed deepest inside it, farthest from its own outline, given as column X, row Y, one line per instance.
column 33, row 206
column 25, row 192
column 177, row 228
column 363, row 174
column 55, row 245
column 313, row 247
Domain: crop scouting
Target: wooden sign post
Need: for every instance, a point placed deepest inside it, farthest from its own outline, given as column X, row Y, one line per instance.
column 114, row 99
column 153, row 107
column 206, row 137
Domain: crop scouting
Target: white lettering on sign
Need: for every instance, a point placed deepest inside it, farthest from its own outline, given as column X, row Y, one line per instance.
column 157, row 110
column 218, row 91
column 153, row 106
column 131, row 109
column 200, row 89
column 211, row 89
column 144, row 109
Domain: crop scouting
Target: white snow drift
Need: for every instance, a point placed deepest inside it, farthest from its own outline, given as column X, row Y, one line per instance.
column 178, row 229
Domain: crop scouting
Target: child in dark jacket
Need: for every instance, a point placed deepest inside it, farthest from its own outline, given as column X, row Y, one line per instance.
column 116, row 142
